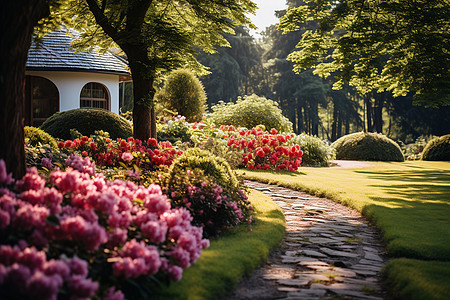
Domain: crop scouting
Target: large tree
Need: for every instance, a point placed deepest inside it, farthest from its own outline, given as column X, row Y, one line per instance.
column 399, row 46
column 157, row 36
column 18, row 19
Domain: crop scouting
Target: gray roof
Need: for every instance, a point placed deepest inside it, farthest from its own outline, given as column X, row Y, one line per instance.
column 52, row 53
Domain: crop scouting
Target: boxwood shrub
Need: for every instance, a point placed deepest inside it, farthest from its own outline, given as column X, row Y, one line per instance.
column 437, row 149
column 87, row 121
column 367, row 146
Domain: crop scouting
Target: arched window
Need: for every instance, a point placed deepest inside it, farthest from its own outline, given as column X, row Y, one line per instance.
column 41, row 100
column 94, row 95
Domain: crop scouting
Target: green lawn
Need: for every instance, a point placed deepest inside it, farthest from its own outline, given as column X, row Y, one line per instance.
column 409, row 202
column 232, row 256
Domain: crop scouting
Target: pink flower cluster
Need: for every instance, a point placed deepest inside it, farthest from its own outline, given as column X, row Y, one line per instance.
column 134, row 225
column 26, row 272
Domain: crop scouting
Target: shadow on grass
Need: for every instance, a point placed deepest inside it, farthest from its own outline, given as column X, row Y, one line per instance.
column 410, row 176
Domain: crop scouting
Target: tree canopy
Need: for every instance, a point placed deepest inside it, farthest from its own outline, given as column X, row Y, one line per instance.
column 156, row 36
column 399, row 46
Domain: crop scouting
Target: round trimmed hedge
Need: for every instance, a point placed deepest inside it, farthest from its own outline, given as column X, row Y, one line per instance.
column 367, row 146
column 36, row 136
column 87, row 121
column 438, row 149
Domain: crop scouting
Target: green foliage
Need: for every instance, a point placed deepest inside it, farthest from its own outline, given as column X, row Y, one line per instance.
column 127, row 115
column 184, row 93
column 215, row 167
column 372, row 46
column 437, row 149
column 367, row 146
column 35, row 136
column 87, row 121
column 174, row 130
column 316, row 152
column 249, row 112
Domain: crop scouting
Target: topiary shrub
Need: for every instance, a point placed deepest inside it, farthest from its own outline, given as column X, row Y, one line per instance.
column 87, row 121
column 367, row 146
column 184, row 93
column 249, row 112
column 207, row 187
column 34, row 136
column 316, row 152
column 437, row 149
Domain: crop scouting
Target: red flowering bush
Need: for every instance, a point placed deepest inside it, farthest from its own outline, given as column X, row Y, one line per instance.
column 126, row 153
column 77, row 235
column 264, row 150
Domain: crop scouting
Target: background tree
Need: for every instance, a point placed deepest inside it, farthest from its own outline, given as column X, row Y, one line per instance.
column 184, row 93
column 17, row 21
column 156, row 36
column 398, row 46
column 234, row 71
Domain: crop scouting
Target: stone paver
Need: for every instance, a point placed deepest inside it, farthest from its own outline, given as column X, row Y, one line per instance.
column 328, row 252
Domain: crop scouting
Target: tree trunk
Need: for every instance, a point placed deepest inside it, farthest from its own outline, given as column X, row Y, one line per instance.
column 378, row 112
column 144, row 118
column 334, row 124
column 370, row 127
column 17, row 21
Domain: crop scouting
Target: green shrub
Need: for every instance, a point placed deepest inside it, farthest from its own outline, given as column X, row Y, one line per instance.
column 316, row 152
column 34, row 136
column 174, row 130
column 215, row 167
column 367, row 146
column 209, row 189
column 184, row 93
column 437, row 149
column 87, row 121
column 127, row 115
column 249, row 112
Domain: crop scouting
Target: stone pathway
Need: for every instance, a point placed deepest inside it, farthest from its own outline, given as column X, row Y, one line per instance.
column 328, row 252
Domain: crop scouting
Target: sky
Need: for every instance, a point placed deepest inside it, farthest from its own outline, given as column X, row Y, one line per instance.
column 265, row 14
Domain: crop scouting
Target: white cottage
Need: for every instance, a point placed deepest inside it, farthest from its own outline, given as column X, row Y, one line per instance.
column 59, row 79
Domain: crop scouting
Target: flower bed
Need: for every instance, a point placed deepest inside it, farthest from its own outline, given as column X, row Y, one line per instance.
column 75, row 234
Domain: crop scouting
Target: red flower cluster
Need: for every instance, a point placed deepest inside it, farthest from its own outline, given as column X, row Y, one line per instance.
column 264, row 150
column 130, row 151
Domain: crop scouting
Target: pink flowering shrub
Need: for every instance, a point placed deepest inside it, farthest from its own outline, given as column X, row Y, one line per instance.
column 76, row 233
column 212, row 207
column 209, row 189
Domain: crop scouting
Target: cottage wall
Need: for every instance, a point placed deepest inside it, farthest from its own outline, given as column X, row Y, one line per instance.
column 70, row 84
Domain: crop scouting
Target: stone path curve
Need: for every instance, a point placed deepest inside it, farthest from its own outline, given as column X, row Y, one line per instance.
column 328, row 252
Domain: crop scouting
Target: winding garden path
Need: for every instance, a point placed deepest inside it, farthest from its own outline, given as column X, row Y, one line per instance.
column 328, row 252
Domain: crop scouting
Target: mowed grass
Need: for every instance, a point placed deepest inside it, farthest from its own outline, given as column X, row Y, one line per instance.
column 233, row 256
column 410, row 204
